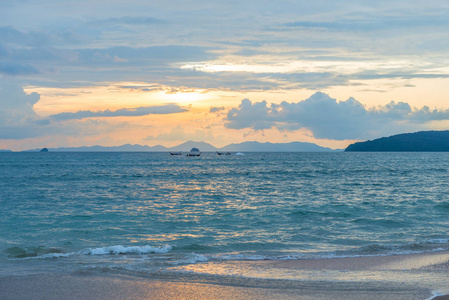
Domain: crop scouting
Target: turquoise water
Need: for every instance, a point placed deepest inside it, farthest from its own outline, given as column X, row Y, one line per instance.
column 148, row 212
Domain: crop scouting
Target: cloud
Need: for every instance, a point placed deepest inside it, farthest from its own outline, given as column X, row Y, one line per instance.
column 372, row 23
column 149, row 41
column 19, row 121
column 154, row 54
column 329, row 44
column 144, row 57
column 249, row 115
column 216, row 109
column 13, row 36
column 329, row 119
column 17, row 116
column 14, row 68
column 15, row 103
column 124, row 112
column 130, row 21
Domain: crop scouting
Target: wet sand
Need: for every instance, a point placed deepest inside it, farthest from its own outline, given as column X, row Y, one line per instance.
column 421, row 276
column 120, row 287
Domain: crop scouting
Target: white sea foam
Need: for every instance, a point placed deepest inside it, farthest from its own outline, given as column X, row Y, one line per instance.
column 241, row 257
column 192, row 259
column 55, row 255
column 116, row 250
column 437, row 241
column 47, row 256
column 119, row 249
column 361, row 252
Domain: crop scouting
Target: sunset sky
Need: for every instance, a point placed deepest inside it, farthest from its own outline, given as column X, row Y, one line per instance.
column 109, row 72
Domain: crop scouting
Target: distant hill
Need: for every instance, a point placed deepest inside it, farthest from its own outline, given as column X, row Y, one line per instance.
column 277, row 147
column 430, row 141
column 191, row 144
column 123, row 148
column 204, row 147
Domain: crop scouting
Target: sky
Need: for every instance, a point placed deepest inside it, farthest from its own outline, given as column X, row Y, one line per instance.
column 108, row 72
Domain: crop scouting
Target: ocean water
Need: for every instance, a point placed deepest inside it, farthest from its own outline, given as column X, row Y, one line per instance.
column 153, row 213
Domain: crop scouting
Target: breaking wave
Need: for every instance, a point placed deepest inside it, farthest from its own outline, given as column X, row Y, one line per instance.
column 42, row 253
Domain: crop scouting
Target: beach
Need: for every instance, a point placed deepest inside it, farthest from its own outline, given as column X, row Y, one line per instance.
column 224, row 150
column 381, row 277
column 258, row 226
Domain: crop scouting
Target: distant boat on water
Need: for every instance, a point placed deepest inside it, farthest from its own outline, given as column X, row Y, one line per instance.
column 194, row 152
column 223, row 153
column 175, row 153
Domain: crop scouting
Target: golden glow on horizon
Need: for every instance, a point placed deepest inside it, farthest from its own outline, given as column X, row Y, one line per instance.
column 181, row 97
column 198, row 123
column 111, row 96
column 374, row 92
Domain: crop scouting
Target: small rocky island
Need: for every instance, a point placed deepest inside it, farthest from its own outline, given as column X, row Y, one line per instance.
column 44, row 150
column 425, row 141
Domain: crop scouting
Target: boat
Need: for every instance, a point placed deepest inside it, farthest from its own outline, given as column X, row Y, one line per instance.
column 223, row 153
column 175, row 153
column 194, row 152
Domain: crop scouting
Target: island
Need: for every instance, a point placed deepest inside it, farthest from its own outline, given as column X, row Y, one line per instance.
column 422, row 141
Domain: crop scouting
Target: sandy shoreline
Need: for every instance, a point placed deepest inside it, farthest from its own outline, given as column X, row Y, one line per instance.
column 123, row 287
column 420, row 276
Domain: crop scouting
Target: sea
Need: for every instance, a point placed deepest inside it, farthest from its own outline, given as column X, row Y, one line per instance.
column 155, row 214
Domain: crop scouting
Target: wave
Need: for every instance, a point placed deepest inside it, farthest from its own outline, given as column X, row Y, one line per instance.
column 119, row 249
column 187, row 256
column 428, row 246
column 193, row 258
column 432, row 245
column 42, row 253
column 26, row 252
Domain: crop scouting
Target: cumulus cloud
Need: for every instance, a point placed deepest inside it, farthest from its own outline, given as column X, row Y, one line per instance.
column 249, row 115
column 331, row 119
column 16, row 112
column 15, row 104
column 124, row 112
column 216, row 109
column 19, row 121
